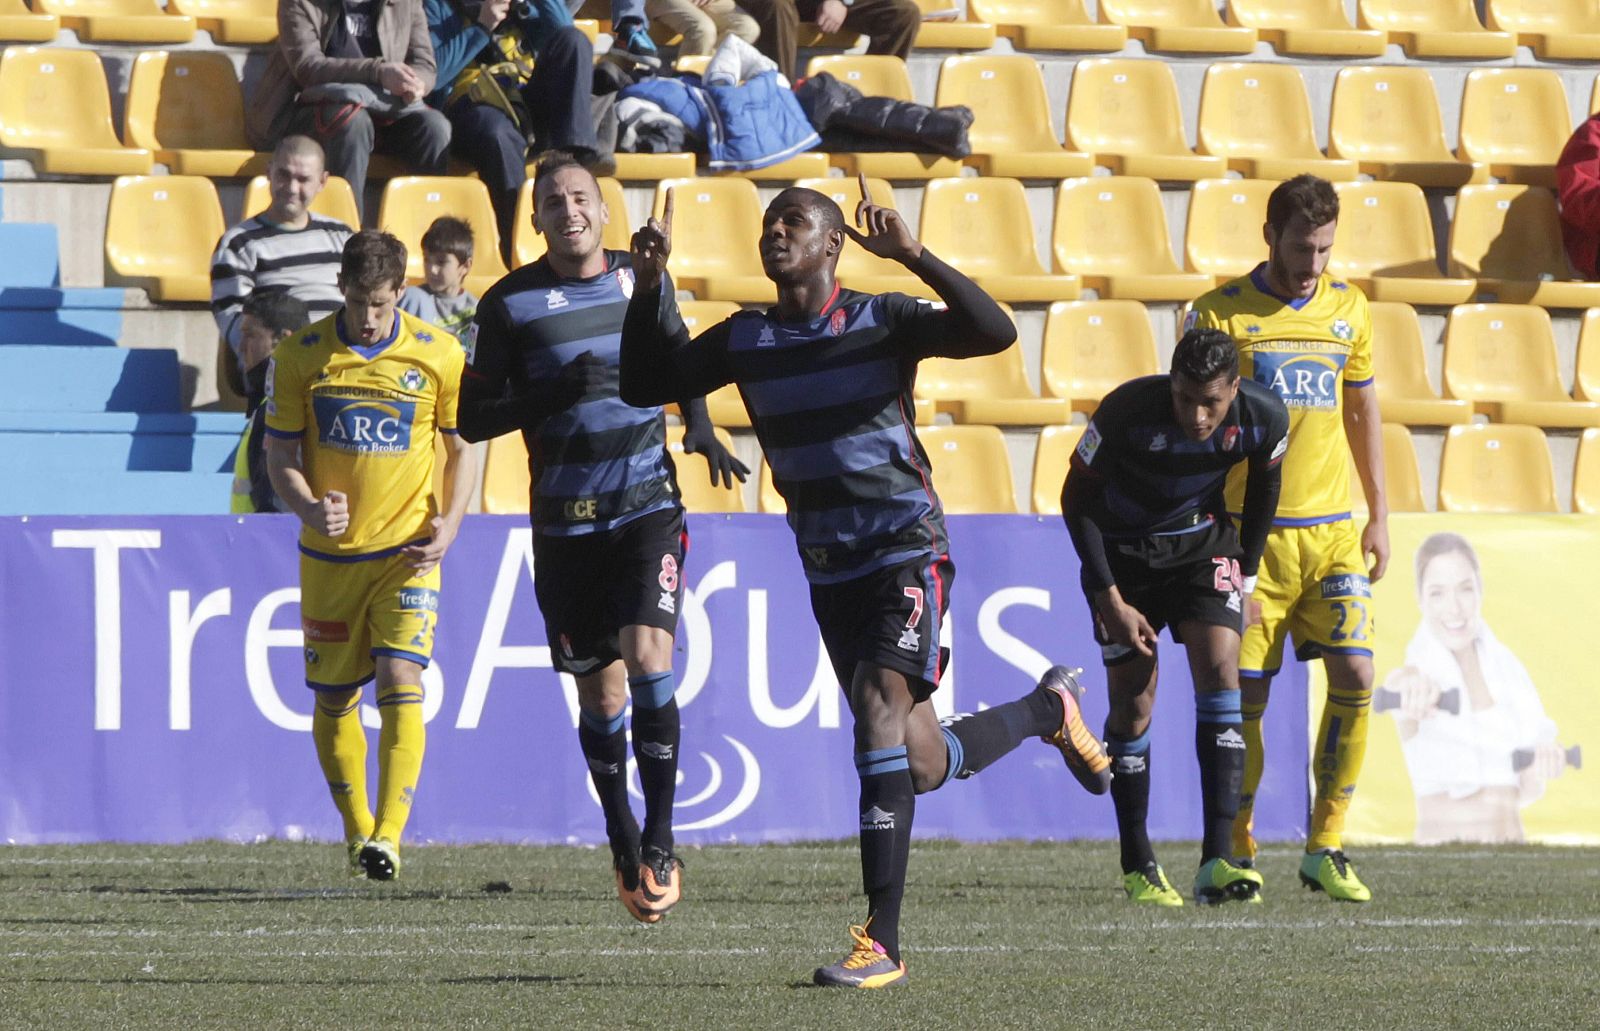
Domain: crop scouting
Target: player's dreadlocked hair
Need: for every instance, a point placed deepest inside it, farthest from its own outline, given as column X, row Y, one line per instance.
column 1304, row 195
column 1205, row 354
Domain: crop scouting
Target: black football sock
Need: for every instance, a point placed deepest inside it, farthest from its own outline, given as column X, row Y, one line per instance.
column 973, row 740
column 655, row 747
column 1130, row 795
column 887, row 806
column 1219, row 745
column 605, row 749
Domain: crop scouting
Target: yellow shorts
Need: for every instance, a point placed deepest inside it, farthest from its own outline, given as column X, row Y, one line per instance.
column 352, row 611
column 1313, row 584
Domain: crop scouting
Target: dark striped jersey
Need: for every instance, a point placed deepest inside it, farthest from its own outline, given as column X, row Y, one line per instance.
column 602, row 462
column 1157, row 480
column 257, row 255
column 830, row 400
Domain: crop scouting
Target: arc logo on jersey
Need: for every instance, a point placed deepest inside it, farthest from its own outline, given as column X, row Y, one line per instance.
column 1302, row 380
column 363, row 425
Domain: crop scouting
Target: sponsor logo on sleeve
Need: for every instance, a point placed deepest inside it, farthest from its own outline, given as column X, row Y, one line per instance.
column 1089, row 444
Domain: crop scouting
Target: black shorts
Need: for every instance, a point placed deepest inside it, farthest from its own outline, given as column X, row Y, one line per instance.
column 889, row 618
column 591, row 586
column 1173, row 579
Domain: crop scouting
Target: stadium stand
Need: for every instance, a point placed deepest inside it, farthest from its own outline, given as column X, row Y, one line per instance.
column 1557, row 30
column 1586, row 475
column 234, row 22
column 55, row 111
column 1111, row 232
column 993, row 389
column 1386, row 118
column 724, row 405
column 412, row 202
column 1495, row 468
column 940, row 31
column 1011, row 133
column 859, row 269
column 1185, row 26
column 716, row 224
column 1126, row 113
column 160, row 234
column 120, row 21
column 34, row 306
column 1586, row 381
column 971, row 470
column 1092, row 346
column 187, row 107
column 1223, row 236
column 528, row 246
column 694, row 477
column 983, row 227
column 506, row 483
column 1402, row 478
column 1049, row 25
column 337, row 200
column 20, row 25
column 1509, row 239
column 1318, row 28
column 1515, row 121
column 1384, row 244
column 1050, row 460
column 1502, row 358
column 881, row 75
column 1258, row 117
column 1401, row 366
column 1436, row 28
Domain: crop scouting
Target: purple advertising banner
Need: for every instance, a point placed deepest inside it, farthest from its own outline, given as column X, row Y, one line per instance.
column 152, row 689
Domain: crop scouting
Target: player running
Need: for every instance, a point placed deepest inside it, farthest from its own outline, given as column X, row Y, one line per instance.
column 826, row 375
column 353, row 404
column 1308, row 337
column 609, row 539
column 1143, row 502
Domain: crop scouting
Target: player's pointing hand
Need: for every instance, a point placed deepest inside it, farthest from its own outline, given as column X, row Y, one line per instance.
column 887, row 234
column 652, row 245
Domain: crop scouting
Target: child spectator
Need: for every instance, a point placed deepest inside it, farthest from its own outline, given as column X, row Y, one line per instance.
column 443, row 299
column 265, row 317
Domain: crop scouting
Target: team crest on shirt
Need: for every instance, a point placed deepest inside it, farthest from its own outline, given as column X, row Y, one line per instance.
column 1158, row 442
column 556, row 299
column 767, row 338
column 909, row 640
column 1230, row 438
column 1341, row 329
column 836, row 321
column 310, row 339
column 625, row 282
column 413, row 380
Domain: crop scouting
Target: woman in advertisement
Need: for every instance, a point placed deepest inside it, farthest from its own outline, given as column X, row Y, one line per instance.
column 1477, row 742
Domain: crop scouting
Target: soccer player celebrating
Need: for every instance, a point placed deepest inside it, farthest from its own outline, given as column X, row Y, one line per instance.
column 353, row 405
column 1143, row 501
column 609, row 539
column 826, row 375
column 1308, row 337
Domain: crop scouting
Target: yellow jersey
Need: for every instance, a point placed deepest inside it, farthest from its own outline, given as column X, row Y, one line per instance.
column 365, row 418
column 1307, row 351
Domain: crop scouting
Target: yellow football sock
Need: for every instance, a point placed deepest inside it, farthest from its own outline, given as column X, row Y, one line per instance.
column 400, row 745
column 342, row 752
column 1341, row 746
column 1255, row 759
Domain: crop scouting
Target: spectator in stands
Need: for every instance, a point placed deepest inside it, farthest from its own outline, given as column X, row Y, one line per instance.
column 703, row 22
column 287, row 247
column 352, row 74
column 266, row 317
column 443, row 298
column 889, row 25
column 1578, row 177
column 498, row 100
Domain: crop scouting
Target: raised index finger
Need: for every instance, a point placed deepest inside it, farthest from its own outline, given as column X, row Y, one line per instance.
column 666, row 209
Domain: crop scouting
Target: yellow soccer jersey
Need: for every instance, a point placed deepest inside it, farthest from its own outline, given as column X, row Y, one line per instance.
column 365, row 418
column 1307, row 351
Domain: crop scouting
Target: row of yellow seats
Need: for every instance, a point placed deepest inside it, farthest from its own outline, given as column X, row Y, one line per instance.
column 1562, row 29
column 1485, row 468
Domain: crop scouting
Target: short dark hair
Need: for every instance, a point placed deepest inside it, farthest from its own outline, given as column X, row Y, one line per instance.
column 373, row 259
column 1304, row 195
column 814, row 200
column 1204, row 354
column 553, row 161
column 449, row 235
column 277, row 310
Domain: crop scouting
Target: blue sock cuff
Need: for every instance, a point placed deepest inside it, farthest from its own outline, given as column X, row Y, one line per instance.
column 881, row 760
column 1128, row 745
column 605, row 726
column 652, row 690
column 955, row 755
column 1218, row 707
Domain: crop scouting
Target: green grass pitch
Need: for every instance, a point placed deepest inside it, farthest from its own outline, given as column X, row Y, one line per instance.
column 996, row 936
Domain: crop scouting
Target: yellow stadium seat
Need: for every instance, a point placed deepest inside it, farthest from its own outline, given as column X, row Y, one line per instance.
column 1048, row 25
column 1436, row 28
column 160, row 235
column 1384, row 244
column 1509, row 237
column 859, row 270
column 1586, row 475
column 55, row 109
column 119, row 21
column 1502, row 358
column 984, row 228
column 1091, row 347
column 691, row 64
column 1387, row 119
column 724, row 404
column 767, row 497
column 18, row 24
column 971, row 469
column 1050, row 460
column 716, row 226
column 235, row 22
column 1187, row 26
column 1401, row 369
column 1317, row 27
column 1515, row 121
column 187, row 107
column 1223, row 237
column 1011, row 134
column 650, row 167
column 943, row 28
column 1111, row 231
column 1126, row 113
column 1402, row 479
column 1587, row 382
column 880, row 75
column 694, row 477
column 507, row 485
column 802, row 166
column 527, row 246
column 337, row 200
column 991, row 389
column 1557, row 30
column 1496, row 468
column 1258, row 117
column 411, row 203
